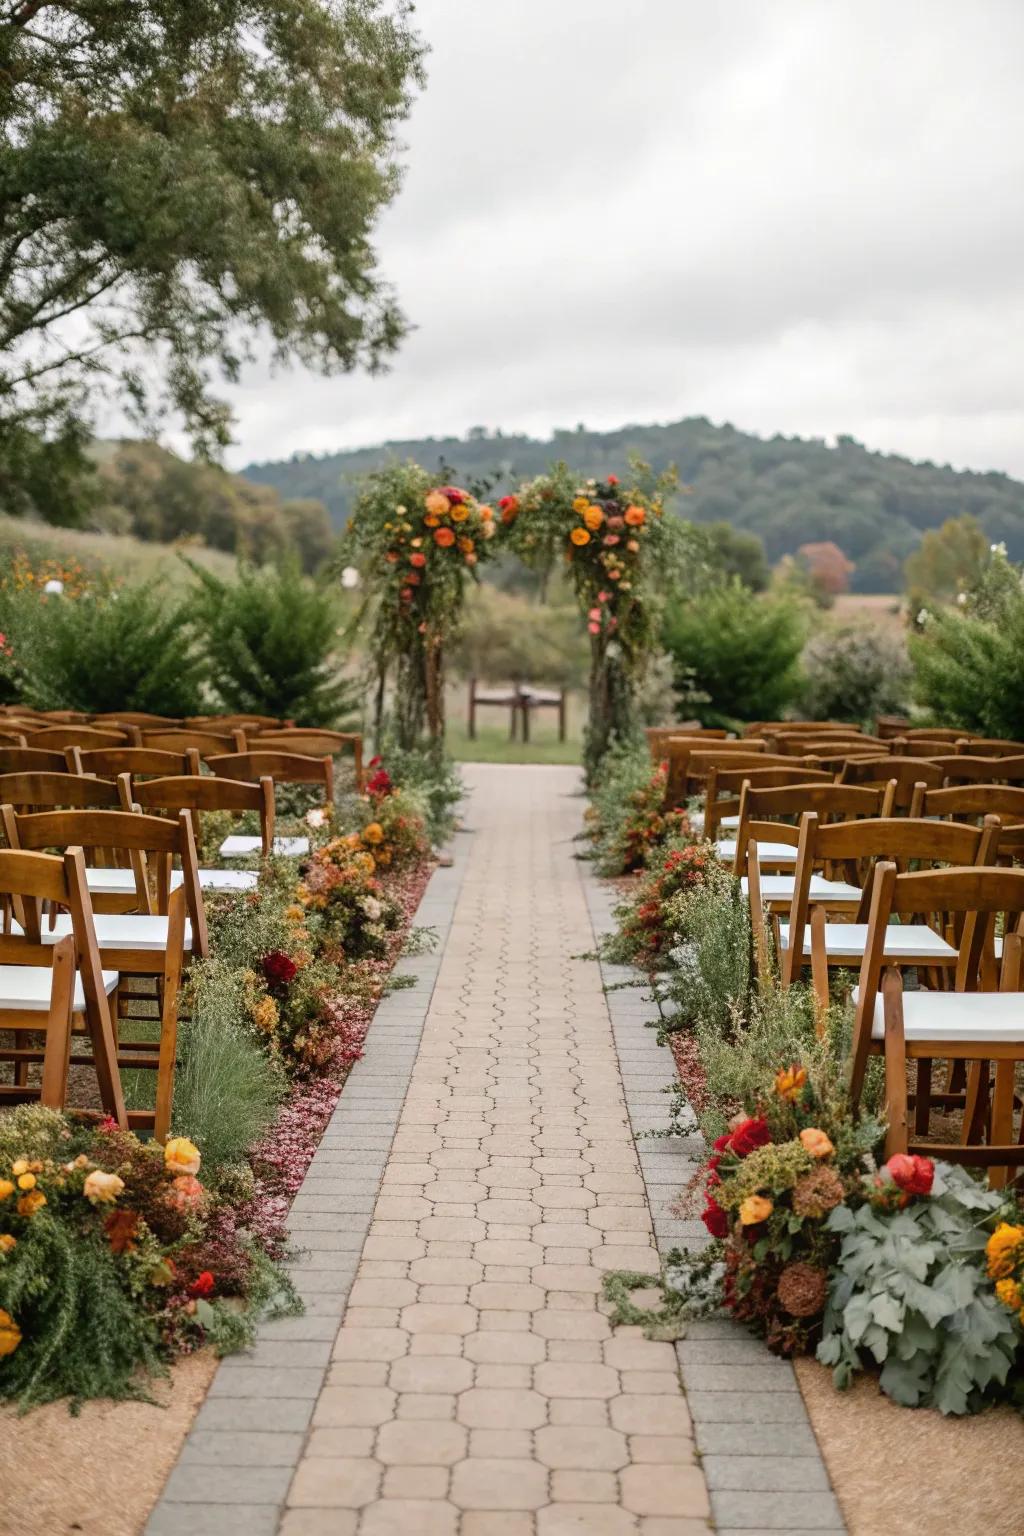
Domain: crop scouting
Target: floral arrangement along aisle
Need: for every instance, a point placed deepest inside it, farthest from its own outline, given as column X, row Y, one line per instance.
column 416, row 544
column 620, row 551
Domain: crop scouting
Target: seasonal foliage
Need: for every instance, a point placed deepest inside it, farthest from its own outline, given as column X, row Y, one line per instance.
column 270, row 641
column 742, row 655
column 416, row 544
column 103, row 650
column 969, row 659
column 854, row 673
column 627, row 821
column 621, row 553
column 114, row 1257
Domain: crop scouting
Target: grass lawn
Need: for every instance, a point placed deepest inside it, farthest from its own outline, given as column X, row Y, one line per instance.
column 492, row 744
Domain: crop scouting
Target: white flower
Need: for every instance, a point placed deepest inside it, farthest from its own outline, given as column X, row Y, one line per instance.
column 923, row 616
column 350, row 577
column 54, row 587
column 961, row 598
column 316, row 818
column 997, row 549
column 372, row 908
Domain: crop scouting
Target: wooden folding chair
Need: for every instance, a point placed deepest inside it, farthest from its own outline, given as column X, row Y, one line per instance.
column 59, row 737
column 139, row 718
column 144, row 944
column 30, row 760
column 53, row 987
column 12, row 740
column 225, row 724
column 723, row 787
column 658, row 735
column 140, row 762
column 282, row 767
column 853, row 848
column 964, row 769
column 906, row 773
column 830, row 743
column 206, row 743
column 989, row 746
column 680, row 749
column 193, row 794
column 976, row 1028
column 923, row 748
column 772, row 816
column 113, row 887
column 309, row 743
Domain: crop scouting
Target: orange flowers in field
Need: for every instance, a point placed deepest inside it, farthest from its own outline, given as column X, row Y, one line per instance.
column 445, row 537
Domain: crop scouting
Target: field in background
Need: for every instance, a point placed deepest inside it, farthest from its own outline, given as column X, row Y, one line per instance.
column 882, row 609
column 128, row 558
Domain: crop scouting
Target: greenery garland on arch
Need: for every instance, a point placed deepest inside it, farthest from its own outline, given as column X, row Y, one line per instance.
column 620, row 552
column 416, row 544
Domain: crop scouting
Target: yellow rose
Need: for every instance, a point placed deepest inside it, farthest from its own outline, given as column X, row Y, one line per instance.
column 20, row 1167
column 10, row 1333
column 6, row 1188
column 27, row 1181
column 437, row 503
column 816, row 1142
column 754, row 1209
column 181, row 1155
column 102, row 1188
column 374, row 833
column 7, row 1242
column 460, row 513
column 579, row 537
column 580, row 504
column 30, row 1203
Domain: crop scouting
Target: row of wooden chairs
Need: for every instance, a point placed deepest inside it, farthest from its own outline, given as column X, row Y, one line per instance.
column 970, row 1011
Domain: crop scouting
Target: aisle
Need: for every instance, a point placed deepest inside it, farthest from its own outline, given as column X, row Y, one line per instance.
column 476, row 1387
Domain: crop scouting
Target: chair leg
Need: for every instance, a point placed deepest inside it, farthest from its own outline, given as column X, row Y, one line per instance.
column 1002, row 1121
column 976, row 1104
column 896, row 1136
column 57, row 1055
column 819, row 968
column 923, row 1098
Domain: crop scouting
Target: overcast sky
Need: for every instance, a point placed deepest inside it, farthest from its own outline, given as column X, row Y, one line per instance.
column 803, row 216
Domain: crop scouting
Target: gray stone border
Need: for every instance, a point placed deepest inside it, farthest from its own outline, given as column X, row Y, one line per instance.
column 763, row 1465
column 236, row 1464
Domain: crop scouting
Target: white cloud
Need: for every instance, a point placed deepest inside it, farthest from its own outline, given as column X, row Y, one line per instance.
column 797, row 216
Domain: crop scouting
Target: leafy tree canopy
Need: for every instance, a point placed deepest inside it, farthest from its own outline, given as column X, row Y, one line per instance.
column 174, row 176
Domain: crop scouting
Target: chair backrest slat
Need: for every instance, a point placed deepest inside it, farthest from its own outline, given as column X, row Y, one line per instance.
column 112, row 761
column 282, row 767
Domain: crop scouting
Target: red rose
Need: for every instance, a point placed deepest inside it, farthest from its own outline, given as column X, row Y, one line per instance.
column 202, row 1285
column 279, row 969
column 455, row 496
column 374, row 762
column 612, row 480
column 914, row 1175
column 748, row 1136
column 380, row 783
column 418, row 560
column 715, row 1219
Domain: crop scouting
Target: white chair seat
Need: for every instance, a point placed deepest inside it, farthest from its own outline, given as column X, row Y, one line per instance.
column 110, row 882
column 767, row 853
column 220, row 879
column 780, row 888
column 238, row 847
column 985, row 1018
column 116, row 930
column 26, row 988
column 848, row 941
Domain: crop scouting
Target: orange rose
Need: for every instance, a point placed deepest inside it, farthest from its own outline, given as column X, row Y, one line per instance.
column 460, row 513
column 635, row 516
column 755, row 1209
column 7, row 1242
column 432, row 520
column 816, row 1142
column 30, row 1203
column 374, row 833
column 486, row 513
column 593, row 517
column 10, row 1333
column 579, row 537
column 445, row 537
column 436, row 503
column 6, row 1188
column 465, row 545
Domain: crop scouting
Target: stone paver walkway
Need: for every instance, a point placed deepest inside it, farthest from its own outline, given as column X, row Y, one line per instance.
column 476, row 1387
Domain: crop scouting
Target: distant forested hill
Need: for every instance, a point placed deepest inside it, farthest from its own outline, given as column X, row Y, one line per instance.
column 790, row 491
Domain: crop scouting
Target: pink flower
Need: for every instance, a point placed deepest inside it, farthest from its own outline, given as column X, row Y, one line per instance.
column 595, row 629
column 611, row 538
